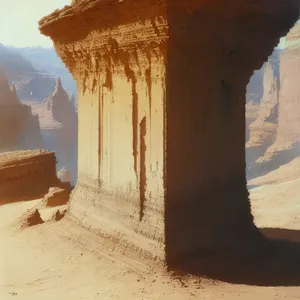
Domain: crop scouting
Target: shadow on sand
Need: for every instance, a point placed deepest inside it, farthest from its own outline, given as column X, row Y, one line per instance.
column 277, row 265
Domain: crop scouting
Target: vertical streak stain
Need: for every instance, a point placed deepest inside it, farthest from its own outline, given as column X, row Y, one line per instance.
column 143, row 183
column 130, row 75
column 135, row 125
column 100, row 99
column 149, row 86
column 148, row 76
column 164, row 140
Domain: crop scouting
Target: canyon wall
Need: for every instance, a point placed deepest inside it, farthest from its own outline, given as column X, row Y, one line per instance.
column 264, row 129
column 59, row 128
column 255, row 87
column 63, row 139
column 26, row 174
column 19, row 128
column 289, row 102
column 35, row 88
column 161, row 168
column 285, row 144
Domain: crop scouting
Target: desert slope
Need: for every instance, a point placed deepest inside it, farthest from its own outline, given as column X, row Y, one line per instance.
column 66, row 261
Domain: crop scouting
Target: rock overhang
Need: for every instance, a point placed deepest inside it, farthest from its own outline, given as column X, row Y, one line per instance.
column 82, row 16
column 220, row 42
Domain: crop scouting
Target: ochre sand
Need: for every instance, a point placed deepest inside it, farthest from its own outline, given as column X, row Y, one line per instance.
column 57, row 260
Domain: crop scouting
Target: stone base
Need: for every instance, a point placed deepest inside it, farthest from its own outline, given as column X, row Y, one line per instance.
column 116, row 220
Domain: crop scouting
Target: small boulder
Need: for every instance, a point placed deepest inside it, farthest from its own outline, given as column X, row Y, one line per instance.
column 32, row 219
column 57, row 196
column 58, row 215
column 64, row 175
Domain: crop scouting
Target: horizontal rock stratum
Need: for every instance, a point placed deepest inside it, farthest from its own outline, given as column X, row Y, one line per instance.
column 161, row 102
column 26, row 174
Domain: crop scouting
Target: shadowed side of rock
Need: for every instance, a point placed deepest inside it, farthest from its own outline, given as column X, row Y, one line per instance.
column 26, row 175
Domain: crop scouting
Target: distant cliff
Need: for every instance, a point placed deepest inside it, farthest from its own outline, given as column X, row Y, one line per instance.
column 287, row 143
column 19, row 128
column 33, row 71
column 59, row 126
column 36, row 88
column 255, row 88
column 45, row 60
column 275, row 135
column 263, row 130
column 14, row 64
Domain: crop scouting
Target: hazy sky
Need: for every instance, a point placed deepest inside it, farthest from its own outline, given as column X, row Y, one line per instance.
column 19, row 21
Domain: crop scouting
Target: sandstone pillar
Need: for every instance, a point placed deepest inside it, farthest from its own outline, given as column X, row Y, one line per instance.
column 162, row 89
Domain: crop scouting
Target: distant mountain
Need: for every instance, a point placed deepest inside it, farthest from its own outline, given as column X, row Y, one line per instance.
column 14, row 63
column 255, row 88
column 46, row 60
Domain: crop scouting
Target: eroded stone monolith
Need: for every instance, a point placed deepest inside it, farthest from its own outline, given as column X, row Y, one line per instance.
column 161, row 101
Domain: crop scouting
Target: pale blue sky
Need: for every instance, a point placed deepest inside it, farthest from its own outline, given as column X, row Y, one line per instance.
column 19, row 21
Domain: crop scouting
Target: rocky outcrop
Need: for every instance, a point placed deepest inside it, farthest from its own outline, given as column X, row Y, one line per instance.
column 58, row 215
column 19, row 128
column 263, row 130
column 46, row 61
column 252, row 111
column 162, row 120
column 62, row 107
column 64, row 175
column 35, row 88
column 57, row 196
column 14, row 63
column 289, row 102
column 255, row 87
column 59, row 129
column 63, row 139
column 26, row 174
column 32, row 218
column 286, row 139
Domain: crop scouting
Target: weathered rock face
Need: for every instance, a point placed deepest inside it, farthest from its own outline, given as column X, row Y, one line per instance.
column 252, row 111
column 64, row 138
column 57, row 196
column 26, row 174
column 14, row 63
column 45, row 60
column 156, row 121
column 286, row 140
column 59, row 129
column 64, row 175
column 63, row 108
column 36, row 88
column 263, row 130
column 258, row 89
column 289, row 103
column 19, row 129
column 255, row 88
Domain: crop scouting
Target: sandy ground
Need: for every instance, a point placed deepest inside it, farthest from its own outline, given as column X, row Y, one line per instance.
column 57, row 260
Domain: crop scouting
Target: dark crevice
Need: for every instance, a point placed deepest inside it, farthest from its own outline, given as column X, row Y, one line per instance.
column 143, row 183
